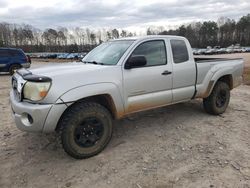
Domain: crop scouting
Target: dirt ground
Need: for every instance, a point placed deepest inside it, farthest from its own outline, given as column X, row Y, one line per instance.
column 174, row 146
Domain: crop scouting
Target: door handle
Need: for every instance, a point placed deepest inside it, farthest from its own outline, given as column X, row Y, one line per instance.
column 166, row 72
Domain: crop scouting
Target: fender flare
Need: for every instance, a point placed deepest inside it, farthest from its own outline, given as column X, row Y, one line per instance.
column 92, row 90
column 216, row 76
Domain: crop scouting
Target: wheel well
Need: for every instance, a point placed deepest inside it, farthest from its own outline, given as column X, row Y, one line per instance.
column 228, row 79
column 14, row 65
column 104, row 100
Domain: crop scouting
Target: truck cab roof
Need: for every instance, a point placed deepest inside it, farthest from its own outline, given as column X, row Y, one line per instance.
column 138, row 38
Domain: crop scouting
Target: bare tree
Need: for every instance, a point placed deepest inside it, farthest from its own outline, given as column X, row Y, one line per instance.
column 93, row 38
column 115, row 33
column 224, row 32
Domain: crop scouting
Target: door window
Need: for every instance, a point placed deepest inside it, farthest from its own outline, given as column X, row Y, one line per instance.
column 15, row 53
column 4, row 53
column 154, row 52
column 179, row 50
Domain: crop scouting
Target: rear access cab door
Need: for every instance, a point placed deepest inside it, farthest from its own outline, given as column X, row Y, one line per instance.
column 148, row 86
column 184, row 69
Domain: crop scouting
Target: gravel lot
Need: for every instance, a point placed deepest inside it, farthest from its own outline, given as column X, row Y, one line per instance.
column 174, row 146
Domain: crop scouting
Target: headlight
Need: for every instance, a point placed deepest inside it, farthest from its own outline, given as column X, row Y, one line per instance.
column 36, row 91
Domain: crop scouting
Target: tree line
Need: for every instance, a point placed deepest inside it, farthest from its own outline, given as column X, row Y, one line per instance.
column 222, row 33
column 31, row 39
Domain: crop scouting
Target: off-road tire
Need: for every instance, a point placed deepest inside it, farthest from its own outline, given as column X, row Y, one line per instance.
column 74, row 117
column 211, row 104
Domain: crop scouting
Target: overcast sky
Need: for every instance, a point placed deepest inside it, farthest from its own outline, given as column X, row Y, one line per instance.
column 115, row 13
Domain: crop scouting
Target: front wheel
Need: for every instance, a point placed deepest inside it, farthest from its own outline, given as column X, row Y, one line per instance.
column 87, row 129
column 216, row 103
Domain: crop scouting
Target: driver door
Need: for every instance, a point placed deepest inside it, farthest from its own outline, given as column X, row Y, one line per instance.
column 148, row 86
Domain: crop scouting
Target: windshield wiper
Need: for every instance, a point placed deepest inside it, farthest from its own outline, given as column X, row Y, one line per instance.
column 93, row 62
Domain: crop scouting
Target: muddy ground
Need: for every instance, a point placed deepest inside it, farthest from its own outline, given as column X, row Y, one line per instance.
column 174, row 146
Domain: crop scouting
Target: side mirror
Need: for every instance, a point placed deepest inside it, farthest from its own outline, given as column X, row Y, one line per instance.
column 136, row 61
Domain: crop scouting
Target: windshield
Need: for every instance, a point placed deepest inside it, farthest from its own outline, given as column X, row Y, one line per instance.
column 108, row 53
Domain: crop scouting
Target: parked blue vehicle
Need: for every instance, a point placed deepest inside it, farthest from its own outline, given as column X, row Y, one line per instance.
column 12, row 59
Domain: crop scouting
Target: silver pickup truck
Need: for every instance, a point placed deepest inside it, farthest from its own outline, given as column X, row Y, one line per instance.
column 117, row 78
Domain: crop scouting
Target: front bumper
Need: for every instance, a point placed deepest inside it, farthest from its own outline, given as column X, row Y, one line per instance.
column 36, row 117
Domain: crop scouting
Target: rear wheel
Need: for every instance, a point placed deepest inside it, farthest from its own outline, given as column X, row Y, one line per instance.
column 14, row 68
column 87, row 129
column 217, row 102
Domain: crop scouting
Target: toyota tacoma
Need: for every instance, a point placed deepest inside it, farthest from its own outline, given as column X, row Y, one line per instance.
column 117, row 78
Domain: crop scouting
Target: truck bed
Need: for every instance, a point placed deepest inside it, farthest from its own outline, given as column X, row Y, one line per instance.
column 210, row 69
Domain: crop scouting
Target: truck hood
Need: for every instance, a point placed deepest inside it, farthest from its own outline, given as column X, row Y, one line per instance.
column 68, row 76
column 65, row 69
